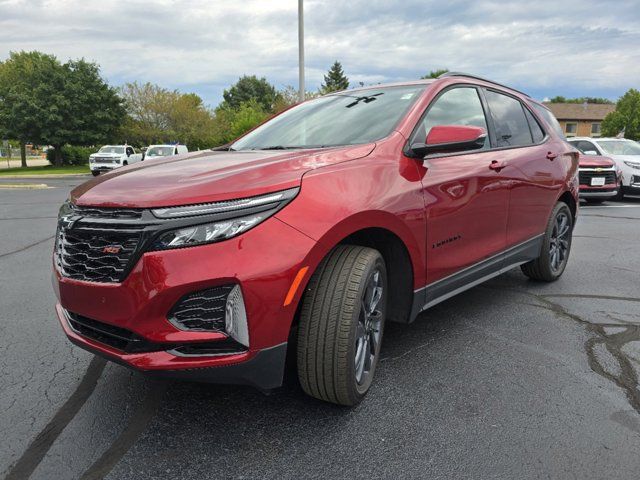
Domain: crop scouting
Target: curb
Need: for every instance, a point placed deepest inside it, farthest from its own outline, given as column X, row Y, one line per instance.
column 53, row 175
column 26, row 186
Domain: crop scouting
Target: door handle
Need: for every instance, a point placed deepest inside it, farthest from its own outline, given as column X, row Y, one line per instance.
column 551, row 156
column 496, row 165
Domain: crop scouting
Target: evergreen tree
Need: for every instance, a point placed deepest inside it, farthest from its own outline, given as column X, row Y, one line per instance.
column 335, row 79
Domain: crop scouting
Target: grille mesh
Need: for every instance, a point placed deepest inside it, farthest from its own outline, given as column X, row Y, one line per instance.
column 203, row 310
column 95, row 256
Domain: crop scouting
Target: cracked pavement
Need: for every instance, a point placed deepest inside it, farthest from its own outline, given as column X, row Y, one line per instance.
column 512, row 379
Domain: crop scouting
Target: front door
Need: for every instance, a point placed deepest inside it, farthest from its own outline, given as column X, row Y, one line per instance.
column 466, row 197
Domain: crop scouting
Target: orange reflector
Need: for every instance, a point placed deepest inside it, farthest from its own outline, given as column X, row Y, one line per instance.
column 295, row 285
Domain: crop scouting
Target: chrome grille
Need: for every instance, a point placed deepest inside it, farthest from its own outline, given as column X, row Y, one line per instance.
column 95, row 255
column 97, row 212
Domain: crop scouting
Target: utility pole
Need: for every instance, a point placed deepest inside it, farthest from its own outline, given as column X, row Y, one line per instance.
column 301, row 91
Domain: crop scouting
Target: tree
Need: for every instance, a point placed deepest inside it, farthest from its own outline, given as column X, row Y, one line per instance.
column 158, row 115
column 626, row 117
column 288, row 97
column 231, row 123
column 249, row 88
column 32, row 103
column 45, row 102
column 335, row 79
column 598, row 100
column 435, row 73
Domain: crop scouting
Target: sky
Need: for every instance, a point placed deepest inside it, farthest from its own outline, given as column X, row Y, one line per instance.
column 545, row 48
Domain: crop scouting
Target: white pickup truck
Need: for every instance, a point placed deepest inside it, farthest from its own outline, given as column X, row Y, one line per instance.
column 112, row 156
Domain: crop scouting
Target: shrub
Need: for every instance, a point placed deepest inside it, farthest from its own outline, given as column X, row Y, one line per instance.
column 72, row 155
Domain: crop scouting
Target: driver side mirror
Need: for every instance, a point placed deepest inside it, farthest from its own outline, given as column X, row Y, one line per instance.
column 450, row 138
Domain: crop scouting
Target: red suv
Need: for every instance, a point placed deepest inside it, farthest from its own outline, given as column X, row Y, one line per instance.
column 313, row 230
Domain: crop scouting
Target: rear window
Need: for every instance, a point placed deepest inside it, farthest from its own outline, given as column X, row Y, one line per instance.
column 512, row 128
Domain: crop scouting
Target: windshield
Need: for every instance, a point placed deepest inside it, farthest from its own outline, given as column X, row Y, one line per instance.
column 110, row 149
column 346, row 118
column 159, row 151
column 620, row 147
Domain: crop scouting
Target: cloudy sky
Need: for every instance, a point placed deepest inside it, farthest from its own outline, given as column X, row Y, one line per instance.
column 546, row 48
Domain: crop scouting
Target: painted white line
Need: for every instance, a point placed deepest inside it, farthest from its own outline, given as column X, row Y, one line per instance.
column 25, row 186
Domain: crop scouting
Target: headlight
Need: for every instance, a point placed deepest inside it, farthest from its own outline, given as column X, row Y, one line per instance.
column 227, row 219
column 209, row 232
column 635, row 165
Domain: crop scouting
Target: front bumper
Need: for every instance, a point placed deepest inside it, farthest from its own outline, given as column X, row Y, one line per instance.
column 608, row 191
column 263, row 261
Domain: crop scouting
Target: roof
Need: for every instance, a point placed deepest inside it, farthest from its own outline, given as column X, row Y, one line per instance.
column 580, row 111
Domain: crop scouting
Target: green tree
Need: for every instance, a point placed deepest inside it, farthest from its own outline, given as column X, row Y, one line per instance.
column 32, row 102
column 232, row 123
column 249, row 88
column 598, row 100
column 335, row 79
column 158, row 115
column 435, row 73
column 288, row 96
column 626, row 117
column 45, row 102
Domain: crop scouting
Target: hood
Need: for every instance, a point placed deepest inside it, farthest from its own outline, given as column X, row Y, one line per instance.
column 630, row 158
column 208, row 176
column 591, row 161
column 106, row 155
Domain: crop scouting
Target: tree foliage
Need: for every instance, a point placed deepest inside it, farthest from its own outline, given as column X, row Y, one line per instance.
column 335, row 79
column 598, row 100
column 45, row 102
column 625, row 118
column 435, row 73
column 159, row 115
column 249, row 88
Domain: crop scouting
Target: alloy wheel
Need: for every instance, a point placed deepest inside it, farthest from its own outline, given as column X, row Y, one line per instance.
column 559, row 242
column 368, row 330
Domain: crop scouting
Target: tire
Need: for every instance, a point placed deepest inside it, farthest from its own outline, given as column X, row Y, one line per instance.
column 125, row 163
column 595, row 201
column 556, row 247
column 338, row 337
column 620, row 195
column 95, row 173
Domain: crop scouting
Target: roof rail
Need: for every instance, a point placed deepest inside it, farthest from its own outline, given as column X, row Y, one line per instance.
column 476, row 77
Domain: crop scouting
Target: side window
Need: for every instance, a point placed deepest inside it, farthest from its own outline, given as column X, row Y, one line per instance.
column 458, row 106
column 510, row 122
column 129, row 151
column 536, row 130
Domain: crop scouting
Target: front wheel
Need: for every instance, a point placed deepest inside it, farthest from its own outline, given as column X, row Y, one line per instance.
column 341, row 325
column 95, row 173
column 556, row 247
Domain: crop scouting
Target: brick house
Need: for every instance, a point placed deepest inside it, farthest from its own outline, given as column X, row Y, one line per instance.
column 580, row 120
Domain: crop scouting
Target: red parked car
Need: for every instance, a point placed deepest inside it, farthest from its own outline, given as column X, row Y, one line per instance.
column 599, row 177
column 312, row 231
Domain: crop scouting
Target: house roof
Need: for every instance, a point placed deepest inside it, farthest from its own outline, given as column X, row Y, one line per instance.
column 580, row 111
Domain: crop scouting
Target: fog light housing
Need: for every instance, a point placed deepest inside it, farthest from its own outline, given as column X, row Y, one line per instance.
column 236, row 317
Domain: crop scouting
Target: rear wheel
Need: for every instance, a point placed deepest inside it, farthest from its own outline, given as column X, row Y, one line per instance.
column 556, row 247
column 341, row 325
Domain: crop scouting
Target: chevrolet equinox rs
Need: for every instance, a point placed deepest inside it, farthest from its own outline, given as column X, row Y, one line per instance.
column 312, row 231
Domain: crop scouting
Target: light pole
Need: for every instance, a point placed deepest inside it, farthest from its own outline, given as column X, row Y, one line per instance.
column 301, row 51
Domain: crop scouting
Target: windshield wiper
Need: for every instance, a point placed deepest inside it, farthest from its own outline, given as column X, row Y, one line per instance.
column 277, row 147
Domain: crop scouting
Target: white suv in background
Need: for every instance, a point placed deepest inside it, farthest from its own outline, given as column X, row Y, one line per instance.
column 112, row 156
column 156, row 151
column 626, row 154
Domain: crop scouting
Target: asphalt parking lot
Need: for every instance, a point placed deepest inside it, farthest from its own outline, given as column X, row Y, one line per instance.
column 512, row 379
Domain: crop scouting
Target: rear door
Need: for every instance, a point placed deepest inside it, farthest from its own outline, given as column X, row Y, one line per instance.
column 466, row 200
column 533, row 165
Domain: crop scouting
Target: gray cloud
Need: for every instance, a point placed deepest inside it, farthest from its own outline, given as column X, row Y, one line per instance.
column 203, row 46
